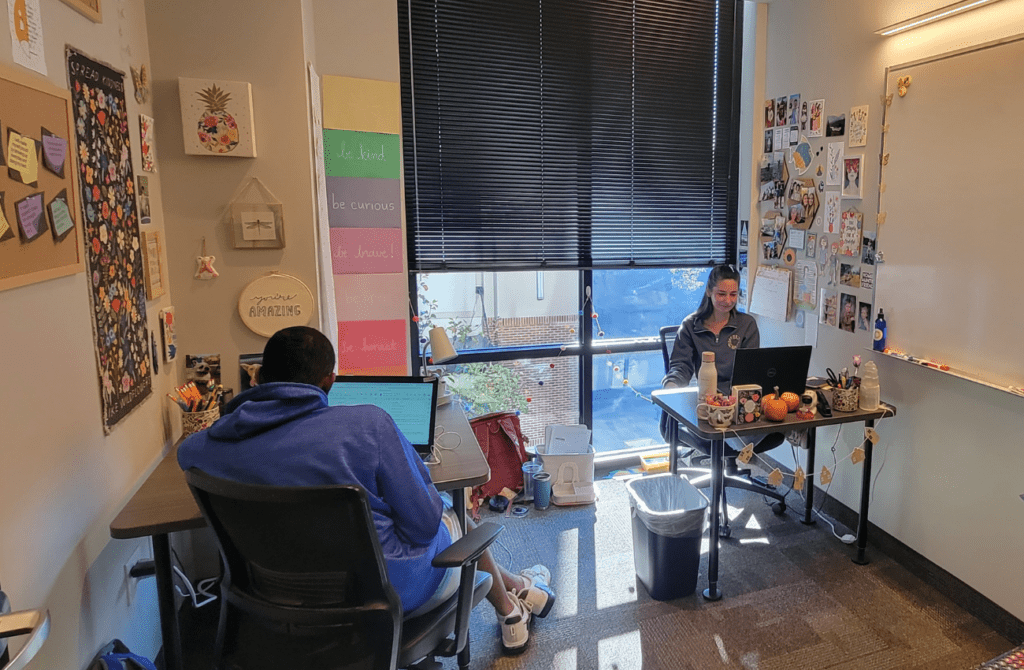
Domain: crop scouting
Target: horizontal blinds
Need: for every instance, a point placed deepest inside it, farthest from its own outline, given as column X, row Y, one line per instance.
column 568, row 133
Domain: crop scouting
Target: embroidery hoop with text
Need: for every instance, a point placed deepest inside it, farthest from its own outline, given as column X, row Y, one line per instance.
column 275, row 301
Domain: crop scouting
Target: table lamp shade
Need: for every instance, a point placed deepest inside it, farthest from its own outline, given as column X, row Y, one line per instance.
column 441, row 349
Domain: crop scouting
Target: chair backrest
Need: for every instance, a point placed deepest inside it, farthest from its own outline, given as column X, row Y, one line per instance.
column 668, row 339
column 305, row 555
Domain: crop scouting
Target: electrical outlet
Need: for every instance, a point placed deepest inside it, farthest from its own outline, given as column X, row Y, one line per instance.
column 132, row 583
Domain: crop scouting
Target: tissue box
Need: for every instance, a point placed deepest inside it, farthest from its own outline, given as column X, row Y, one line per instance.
column 748, row 402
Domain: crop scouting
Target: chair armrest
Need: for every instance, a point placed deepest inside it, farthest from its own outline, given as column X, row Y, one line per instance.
column 35, row 623
column 469, row 547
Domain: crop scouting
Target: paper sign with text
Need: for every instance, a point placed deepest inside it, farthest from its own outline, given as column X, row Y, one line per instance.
column 364, row 203
column 367, row 344
column 367, row 250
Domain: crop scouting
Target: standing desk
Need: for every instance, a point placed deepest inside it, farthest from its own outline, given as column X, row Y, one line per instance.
column 681, row 406
column 164, row 505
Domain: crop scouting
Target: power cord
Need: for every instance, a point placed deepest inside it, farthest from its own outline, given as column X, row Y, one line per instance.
column 202, row 588
column 438, row 446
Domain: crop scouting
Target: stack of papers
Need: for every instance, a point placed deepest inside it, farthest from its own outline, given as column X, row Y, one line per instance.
column 560, row 439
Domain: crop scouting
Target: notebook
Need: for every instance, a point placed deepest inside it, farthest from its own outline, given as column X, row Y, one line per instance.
column 410, row 401
column 785, row 367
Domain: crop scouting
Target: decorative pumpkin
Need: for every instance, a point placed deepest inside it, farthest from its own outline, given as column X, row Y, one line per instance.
column 774, row 407
column 792, row 400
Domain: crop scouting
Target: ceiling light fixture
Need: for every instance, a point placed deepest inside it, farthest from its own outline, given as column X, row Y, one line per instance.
column 937, row 15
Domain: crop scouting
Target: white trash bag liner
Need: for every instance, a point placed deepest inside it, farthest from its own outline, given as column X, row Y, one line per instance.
column 668, row 505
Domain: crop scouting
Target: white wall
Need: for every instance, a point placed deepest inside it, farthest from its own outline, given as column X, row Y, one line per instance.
column 61, row 479
column 948, row 471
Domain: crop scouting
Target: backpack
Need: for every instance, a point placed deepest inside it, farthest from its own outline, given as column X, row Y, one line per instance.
column 115, row 656
column 504, row 446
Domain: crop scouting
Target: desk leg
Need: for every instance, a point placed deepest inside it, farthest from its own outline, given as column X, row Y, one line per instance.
column 865, row 495
column 459, row 506
column 673, row 445
column 165, row 600
column 717, row 451
column 809, row 483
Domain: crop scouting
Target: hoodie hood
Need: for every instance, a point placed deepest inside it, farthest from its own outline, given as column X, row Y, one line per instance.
column 264, row 407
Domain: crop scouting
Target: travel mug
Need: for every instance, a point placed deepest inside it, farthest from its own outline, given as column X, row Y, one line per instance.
column 530, row 468
column 542, row 490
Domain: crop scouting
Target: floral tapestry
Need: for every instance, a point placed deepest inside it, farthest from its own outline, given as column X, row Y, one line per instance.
column 111, row 234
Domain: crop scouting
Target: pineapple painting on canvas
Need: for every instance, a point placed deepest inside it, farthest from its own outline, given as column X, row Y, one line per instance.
column 216, row 117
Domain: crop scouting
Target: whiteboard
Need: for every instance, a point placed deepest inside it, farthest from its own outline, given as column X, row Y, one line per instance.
column 951, row 281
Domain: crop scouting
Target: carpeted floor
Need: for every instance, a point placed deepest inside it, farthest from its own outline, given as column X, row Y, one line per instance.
column 793, row 599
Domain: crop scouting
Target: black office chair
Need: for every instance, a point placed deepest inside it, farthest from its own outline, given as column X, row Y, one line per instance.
column 34, row 623
column 738, row 479
column 305, row 563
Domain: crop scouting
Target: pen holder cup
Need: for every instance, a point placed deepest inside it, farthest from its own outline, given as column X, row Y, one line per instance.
column 846, row 400
column 193, row 422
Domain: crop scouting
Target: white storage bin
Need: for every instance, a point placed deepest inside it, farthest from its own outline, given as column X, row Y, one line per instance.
column 572, row 476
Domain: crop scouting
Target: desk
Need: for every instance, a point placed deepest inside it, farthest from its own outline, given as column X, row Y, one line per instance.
column 164, row 505
column 681, row 406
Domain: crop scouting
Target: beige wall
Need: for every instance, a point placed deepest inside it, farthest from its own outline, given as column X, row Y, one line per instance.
column 948, row 480
column 265, row 47
column 61, row 479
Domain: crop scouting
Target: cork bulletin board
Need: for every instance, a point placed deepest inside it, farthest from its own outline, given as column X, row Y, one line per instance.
column 27, row 106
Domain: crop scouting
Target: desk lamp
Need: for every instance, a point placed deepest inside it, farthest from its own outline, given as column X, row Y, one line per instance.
column 441, row 349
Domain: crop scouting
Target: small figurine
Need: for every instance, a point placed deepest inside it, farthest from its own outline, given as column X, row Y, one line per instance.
column 206, row 269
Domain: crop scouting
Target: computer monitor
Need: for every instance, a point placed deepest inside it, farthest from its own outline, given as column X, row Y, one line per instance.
column 785, row 367
column 411, row 402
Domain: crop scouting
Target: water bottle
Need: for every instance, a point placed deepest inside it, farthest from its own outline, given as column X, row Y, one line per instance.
column 870, row 393
column 879, row 336
column 707, row 377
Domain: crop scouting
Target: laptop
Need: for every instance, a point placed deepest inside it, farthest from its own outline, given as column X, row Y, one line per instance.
column 785, row 367
column 410, row 401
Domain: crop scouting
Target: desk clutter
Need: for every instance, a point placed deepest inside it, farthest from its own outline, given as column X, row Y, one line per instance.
column 198, row 410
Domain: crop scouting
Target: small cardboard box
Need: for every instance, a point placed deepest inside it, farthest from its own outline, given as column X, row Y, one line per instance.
column 654, row 461
column 748, row 402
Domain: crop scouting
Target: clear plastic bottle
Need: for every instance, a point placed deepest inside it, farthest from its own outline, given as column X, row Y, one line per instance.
column 707, row 377
column 870, row 392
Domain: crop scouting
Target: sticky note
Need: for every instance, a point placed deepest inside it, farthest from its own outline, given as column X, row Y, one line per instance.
column 21, row 157
column 30, row 216
column 60, row 216
column 54, row 152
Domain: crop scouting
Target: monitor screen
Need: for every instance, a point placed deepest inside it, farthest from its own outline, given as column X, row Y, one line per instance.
column 410, row 401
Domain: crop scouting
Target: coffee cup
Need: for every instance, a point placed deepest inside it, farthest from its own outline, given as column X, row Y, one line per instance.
column 718, row 416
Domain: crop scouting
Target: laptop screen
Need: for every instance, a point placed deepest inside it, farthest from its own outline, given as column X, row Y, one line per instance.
column 785, row 367
column 411, row 402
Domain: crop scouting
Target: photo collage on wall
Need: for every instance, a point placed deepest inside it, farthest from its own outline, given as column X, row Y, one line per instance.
column 811, row 188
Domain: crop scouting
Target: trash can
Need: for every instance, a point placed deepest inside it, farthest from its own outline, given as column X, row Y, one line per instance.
column 668, row 521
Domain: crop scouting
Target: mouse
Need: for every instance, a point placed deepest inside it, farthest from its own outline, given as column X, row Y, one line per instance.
column 824, row 409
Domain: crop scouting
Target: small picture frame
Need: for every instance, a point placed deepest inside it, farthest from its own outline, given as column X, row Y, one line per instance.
column 258, row 226
column 90, row 9
column 153, row 269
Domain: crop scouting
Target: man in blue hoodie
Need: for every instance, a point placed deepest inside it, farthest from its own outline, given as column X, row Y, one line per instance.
column 282, row 432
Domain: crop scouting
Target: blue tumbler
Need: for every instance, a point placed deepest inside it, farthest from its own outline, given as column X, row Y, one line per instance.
column 542, row 490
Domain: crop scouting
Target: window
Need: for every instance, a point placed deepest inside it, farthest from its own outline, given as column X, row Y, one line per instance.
column 541, row 134
column 566, row 158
